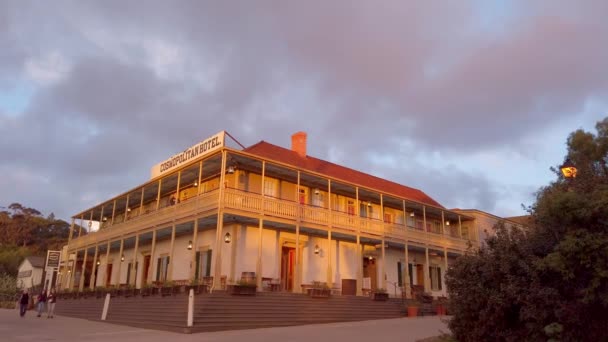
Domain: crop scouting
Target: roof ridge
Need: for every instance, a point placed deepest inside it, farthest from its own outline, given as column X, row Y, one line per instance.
column 325, row 167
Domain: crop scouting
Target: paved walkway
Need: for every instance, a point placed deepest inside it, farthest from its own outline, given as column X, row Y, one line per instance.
column 32, row 328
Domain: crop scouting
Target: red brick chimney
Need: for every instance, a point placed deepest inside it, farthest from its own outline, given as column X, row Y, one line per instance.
column 298, row 143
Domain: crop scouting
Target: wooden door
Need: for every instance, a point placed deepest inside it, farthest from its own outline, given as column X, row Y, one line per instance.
column 144, row 276
column 288, row 257
column 420, row 274
column 369, row 271
column 108, row 275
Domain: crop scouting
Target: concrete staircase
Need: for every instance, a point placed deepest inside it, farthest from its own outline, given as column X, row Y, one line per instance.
column 223, row 311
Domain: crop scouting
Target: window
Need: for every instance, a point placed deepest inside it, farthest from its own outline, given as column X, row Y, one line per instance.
column 400, row 273
column 419, row 225
column 203, row 264
column 302, row 196
column 464, row 232
column 270, row 187
column 162, row 267
column 350, row 208
column 363, row 209
column 318, row 199
column 388, row 218
column 129, row 273
column 435, row 272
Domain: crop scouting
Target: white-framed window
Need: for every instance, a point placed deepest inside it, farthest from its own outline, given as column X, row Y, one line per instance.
column 318, row 199
column 464, row 230
column 203, row 263
column 270, row 187
column 162, row 267
column 435, row 272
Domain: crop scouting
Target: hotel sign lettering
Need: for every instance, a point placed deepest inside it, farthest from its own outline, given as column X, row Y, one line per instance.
column 52, row 258
column 193, row 153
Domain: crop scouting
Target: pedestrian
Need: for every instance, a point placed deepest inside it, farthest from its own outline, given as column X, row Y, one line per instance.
column 51, row 299
column 23, row 302
column 41, row 302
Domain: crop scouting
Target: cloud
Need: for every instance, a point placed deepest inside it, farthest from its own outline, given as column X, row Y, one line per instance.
column 382, row 87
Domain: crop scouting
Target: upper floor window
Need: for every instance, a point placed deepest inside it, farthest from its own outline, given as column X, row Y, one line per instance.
column 270, row 187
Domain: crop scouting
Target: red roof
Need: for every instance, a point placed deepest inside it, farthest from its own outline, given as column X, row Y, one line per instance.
column 283, row 155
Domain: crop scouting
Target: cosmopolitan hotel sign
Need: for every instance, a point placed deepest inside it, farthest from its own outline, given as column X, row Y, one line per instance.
column 193, row 153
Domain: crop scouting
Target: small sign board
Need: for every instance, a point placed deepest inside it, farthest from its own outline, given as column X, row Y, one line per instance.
column 53, row 258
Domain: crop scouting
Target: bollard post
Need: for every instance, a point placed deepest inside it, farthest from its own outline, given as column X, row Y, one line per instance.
column 106, row 305
column 190, row 308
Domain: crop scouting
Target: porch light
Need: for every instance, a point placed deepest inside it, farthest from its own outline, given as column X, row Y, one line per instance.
column 122, row 258
column 316, row 191
column 317, row 249
column 227, row 238
column 69, row 270
column 230, row 169
column 104, row 219
column 195, row 183
column 568, row 169
column 98, row 262
column 447, row 223
column 128, row 209
column 412, row 214
column 369, row 203
column 190, row 245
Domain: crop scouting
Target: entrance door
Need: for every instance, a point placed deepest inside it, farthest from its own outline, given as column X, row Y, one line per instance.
column 288, row 259
column 369, row 271
column 108, row 275
column 144, row 275
column 420, row 274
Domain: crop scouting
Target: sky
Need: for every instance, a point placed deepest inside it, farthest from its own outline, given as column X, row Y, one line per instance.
column 468, row 101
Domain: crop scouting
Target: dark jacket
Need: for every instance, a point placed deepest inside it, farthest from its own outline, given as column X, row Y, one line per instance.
column 25, row 298
column 42, row 297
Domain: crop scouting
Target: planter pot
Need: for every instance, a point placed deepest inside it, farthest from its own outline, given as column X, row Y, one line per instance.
column 380, row 296
column 319, row 293
column 243, row 290
column 412, row 311
column 441, row 310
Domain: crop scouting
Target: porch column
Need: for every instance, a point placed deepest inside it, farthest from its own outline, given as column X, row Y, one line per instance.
column 383, row 265
column 152, row 258
column 160, row 183
column 443, row 232
column 258, row 268
column 120, row 253
column 459, row 227
column 406, row 278
column 172, row 248
column 233, row 251
column 107, row 262
column 71, row 270
column 193, row 251
column 445, row 265
column 427, row 277
column 127, row 209
column 217, row 254
column 102, row 222
column 297, row 282
column 258, row 265
column 113, row 212
column 329, row 269
column 134, row 263
column 93, row 281
column 406, row 271
column 84, row 267
column 358, row 255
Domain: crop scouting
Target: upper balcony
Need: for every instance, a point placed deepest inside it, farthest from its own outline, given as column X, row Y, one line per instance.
column 267, row 190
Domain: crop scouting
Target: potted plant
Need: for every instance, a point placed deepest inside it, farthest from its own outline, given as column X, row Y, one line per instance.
column 442, row 306
column 243, row 287
column 380, row 295
column 146, row 290
column 412, row 308
column 128, row 290
column 319, row 290
column 167, row 288
column 194, row 285
column 100, row 291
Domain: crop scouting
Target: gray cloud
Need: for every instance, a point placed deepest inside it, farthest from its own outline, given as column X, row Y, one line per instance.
column 146, row 79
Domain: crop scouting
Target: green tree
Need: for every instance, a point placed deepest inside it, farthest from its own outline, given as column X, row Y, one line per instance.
column 551, row 281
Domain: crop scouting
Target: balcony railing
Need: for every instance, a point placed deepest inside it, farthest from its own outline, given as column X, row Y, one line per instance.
column 256, row 204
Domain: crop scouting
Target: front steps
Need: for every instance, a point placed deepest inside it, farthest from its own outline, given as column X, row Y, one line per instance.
column 222, row 311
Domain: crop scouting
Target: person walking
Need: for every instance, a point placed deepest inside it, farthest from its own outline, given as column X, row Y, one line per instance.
column 51, row 299
column 24, row 300
column 41, row 302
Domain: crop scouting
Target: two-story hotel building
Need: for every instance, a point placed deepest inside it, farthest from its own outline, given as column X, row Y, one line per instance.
column 216, row 213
